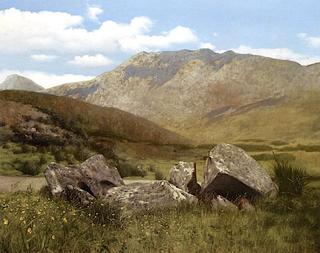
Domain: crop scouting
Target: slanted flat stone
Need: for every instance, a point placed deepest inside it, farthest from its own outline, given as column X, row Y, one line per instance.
column 144, row 197
column 94, row 176
column 184, row 176
column 230, row 172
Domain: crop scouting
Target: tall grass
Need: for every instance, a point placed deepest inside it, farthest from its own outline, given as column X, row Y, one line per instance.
column 290, row 179
column 32, row 223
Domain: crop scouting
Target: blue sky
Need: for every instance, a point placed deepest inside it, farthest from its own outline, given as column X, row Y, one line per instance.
column 59, row 41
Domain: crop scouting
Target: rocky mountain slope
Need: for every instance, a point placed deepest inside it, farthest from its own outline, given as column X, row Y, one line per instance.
column 17, row 82
column 194, row 92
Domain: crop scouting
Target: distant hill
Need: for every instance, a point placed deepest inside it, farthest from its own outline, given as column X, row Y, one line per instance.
column 211, row 97
column 97, row 121
column 17, row 82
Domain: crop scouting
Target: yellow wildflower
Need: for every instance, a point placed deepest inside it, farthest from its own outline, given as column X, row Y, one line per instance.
column 5, row 221
column 65, row 220
column 53, row 237
column 29, row 230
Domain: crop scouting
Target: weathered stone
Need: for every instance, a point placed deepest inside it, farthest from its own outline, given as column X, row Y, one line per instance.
column 184, row 176
column 93, row 176
column 230, row 172
column 143, row 197
column 220, row 203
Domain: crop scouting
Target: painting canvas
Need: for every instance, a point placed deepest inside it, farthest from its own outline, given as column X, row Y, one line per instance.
column 159, row 126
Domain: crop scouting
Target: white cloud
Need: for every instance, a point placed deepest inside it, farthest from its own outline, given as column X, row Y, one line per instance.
column 207, row 45
column 311, row 40
column 97, row 60
column 140, row 42
column 93, row 11
column 277, row 53
column 26, row 32
column 215, row 34
column 45, row 79
column 43, row 57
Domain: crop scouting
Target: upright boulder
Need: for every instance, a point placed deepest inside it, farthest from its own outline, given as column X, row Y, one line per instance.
column 184, row 176
column 230, row 172
column 140, row 198
column 94, row 177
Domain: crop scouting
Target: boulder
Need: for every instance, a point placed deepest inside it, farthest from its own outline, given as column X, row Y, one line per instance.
column 140, row 198
column 184, row 176
column 230, row 172
column 94, row 176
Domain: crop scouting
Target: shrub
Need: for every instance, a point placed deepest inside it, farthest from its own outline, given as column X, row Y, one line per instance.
column 82, row 153
column 291, row 180
column 29, row 167
column 158, row 175
column 6, row 146
column 151, row 168
column 131, row 170
column 43, row 160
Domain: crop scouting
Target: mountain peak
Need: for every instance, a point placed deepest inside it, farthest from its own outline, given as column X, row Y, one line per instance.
column 18, row 82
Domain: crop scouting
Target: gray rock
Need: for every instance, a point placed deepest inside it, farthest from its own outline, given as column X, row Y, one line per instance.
column 230, row 172
column 140, row 198
column 220, row 203
column 94, row 176
column 184, row 176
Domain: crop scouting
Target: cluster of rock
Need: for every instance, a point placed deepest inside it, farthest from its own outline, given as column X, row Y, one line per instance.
column 232, row 180
column 36, row 132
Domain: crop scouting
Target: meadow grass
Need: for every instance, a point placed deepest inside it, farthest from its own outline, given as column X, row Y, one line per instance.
column 35, row 223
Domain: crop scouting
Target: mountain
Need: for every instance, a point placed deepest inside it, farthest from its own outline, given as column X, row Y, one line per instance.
column 95, row 121
column 209, row 96
column 17, row 82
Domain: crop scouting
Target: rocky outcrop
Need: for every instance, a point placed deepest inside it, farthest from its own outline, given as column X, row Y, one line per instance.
column 94, row 177
column 232, row 181
column 230, row 172
column 144, row 197
column 41, row 134
column 184, row 176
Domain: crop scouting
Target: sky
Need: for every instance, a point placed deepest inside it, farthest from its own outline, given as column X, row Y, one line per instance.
column 60, row 41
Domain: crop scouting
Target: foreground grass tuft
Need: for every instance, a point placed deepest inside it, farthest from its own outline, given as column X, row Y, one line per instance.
column 291, row 180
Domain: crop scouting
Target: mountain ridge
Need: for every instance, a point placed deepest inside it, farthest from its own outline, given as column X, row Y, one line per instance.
column 177, row 89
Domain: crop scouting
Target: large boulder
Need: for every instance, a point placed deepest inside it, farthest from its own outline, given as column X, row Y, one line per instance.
column 184, row 176
column 94, row 177
column 140, row 198
column 230, row 172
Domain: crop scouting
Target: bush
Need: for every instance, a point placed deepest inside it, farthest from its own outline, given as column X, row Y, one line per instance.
column 131, row 170
column 158, row 175
column 291, row 180
column 43, row 160
column 6, row 146
column 82, row 153
column 29, row 167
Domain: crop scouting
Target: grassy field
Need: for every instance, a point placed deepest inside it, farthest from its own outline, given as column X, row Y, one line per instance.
column 34, row 223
